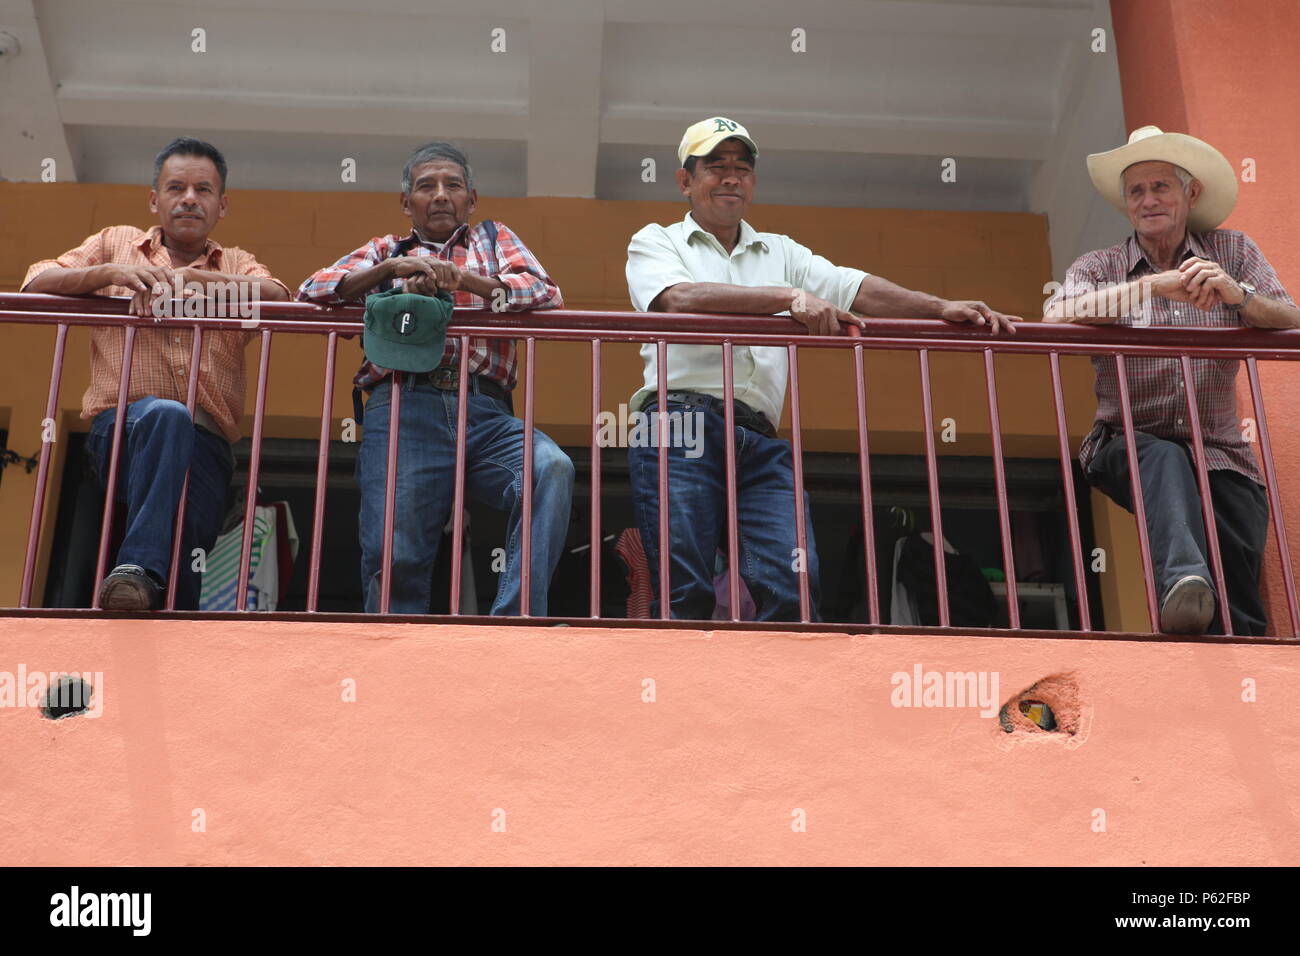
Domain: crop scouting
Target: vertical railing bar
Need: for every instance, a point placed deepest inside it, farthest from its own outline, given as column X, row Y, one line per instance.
column 800, row 524
column 178, row 530
column 864, row 475
column 390, row 492
column 1135, row 484
column 458, row 479
column 665, row 585
column 1275, row 501
column 1207, row 502
column 43, row 469
column 594, row 585
column 110, row 493
column 1071, row 504
column 733, row 529
column 526, row 562
column 322, row 470
column 932, row 474
column 1000, row 482
column 254, row 469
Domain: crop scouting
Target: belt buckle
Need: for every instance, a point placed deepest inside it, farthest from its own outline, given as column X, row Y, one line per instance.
column 445, row 378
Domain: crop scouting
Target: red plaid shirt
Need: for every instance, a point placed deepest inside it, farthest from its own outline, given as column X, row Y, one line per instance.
column 1156, row 385
column 471, row 248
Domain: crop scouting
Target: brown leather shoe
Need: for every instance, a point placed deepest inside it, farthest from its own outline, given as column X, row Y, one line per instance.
column 130, row 588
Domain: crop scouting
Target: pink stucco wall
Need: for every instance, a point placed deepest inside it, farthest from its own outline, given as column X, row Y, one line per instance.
column 246, row 722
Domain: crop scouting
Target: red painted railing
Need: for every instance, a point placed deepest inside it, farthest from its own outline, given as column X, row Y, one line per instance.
column 921, row 337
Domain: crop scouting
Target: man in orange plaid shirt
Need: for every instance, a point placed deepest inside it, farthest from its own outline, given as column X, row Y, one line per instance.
column 161, row 442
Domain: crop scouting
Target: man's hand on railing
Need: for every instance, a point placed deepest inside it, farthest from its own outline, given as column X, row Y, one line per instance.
column 820, row 316
column 977, row 313
column 146, row 281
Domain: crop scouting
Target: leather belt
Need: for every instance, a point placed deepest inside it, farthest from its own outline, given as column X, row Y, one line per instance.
column 447, row 378
column 746, row 417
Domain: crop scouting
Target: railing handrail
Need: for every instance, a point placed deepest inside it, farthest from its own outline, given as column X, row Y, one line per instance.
column 687, row 328
column 726, row 331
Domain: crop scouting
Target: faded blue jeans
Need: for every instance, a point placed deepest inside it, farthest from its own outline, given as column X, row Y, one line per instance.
column 697, row 520
column 426, row 472
column 1176, row 529
column 160, row 442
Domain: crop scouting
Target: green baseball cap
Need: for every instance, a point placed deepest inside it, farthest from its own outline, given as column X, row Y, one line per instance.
column 406, row 331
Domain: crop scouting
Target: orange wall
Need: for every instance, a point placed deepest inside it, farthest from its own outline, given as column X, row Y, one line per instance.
column 246, row 722
column 1226, row 73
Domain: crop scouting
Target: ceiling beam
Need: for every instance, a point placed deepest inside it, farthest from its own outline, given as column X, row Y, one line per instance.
column 29, row 115
column 1046, row 18
column 1089, row 119
column 373, row 8
column 890, row 135
column 171, row 108
column 565, row 38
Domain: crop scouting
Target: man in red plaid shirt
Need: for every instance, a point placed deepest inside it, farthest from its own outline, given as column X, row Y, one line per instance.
column 482, row 266
column 1178, row 269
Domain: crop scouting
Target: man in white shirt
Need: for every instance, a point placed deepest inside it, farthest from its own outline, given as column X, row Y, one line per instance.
column 714, row 261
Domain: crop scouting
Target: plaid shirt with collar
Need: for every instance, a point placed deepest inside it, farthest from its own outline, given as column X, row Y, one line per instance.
column 1156, row 386
column 471, row 248
column 160, row 360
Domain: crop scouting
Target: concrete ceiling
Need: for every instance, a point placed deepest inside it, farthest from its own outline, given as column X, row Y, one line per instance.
column 582, row 94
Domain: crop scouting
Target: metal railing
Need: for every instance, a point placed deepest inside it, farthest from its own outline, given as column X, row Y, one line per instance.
column 923, row 338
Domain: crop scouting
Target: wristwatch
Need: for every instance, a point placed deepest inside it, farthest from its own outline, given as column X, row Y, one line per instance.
column 1248, row 290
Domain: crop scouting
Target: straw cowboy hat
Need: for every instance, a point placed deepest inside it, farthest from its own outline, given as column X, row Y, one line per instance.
column 1151, row 144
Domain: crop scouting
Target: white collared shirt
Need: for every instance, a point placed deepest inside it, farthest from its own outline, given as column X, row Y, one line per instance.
column 662, row 256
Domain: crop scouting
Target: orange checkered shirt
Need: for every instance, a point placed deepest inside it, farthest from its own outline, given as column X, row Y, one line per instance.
column 160, row 360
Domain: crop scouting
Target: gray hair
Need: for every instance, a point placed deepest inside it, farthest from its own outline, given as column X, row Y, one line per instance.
column 432, row 153
column 1183, row 175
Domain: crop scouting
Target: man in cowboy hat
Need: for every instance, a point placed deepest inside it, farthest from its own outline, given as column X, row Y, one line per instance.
column 1178, row 269
column 714, row 261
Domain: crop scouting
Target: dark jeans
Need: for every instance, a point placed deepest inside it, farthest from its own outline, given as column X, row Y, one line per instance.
column 1175, row 527
column 426, row 471
column 697, row 523
column 161, row 441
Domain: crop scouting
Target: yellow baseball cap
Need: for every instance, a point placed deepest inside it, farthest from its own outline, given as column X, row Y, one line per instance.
column 702, row 138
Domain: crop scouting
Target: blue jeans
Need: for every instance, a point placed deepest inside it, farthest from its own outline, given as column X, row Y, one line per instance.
column 161, row 441
column 426, row 471
column 697, row 521
column 1176, row 529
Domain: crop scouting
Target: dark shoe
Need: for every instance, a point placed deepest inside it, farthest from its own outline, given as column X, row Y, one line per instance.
column 130, row 588
column 1188, row 608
